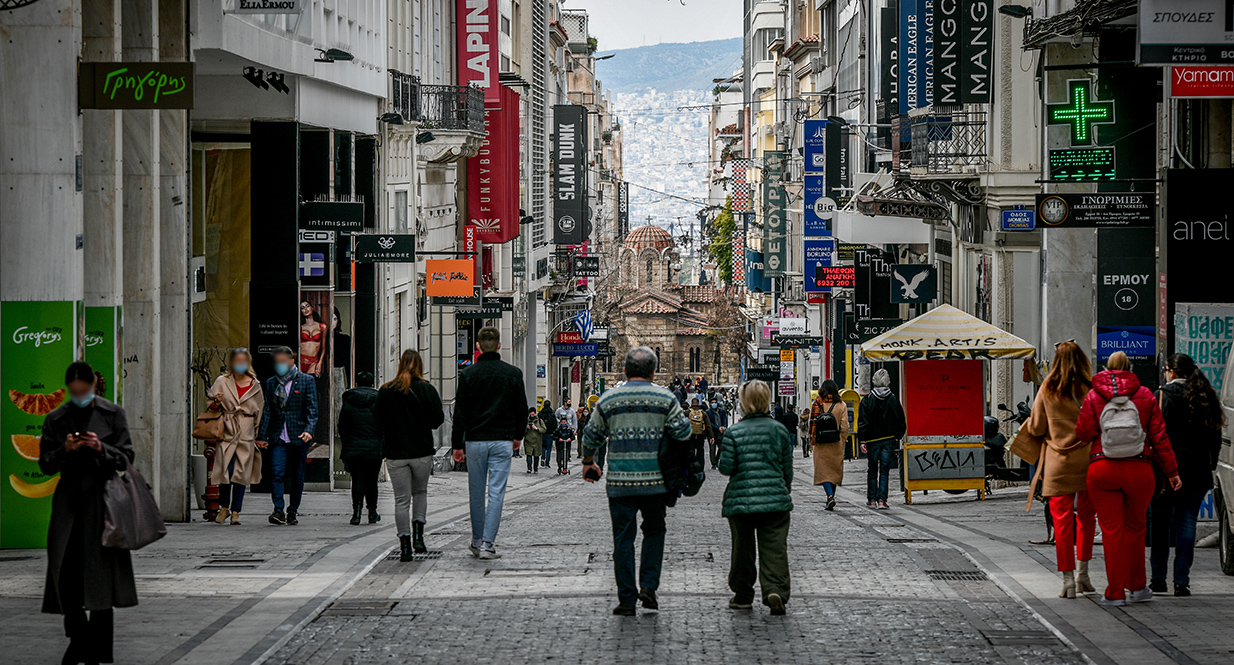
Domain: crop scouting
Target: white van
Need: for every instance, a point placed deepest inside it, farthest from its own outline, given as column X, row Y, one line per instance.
column 1223, row 492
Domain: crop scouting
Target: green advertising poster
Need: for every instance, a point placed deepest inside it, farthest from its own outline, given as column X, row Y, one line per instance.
column 101, row 348
column 37, row 342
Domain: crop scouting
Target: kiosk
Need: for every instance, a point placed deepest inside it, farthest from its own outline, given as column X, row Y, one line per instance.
column 943, row 389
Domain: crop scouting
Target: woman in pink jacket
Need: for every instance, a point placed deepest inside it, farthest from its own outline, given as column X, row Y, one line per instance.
column 1121, row 485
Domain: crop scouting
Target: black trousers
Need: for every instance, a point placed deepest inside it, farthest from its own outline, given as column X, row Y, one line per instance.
column 364, row 482
column 90, row 636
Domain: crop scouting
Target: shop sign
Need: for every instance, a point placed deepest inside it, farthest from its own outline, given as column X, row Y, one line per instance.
column 506, row 303
column 863, row 331
column 819, row 254
column 1082, row 164
column 1206, row 82
column 775, row 223
column 1198, row 239
column 450, row 277
column 488, row 311
column 1099, row 210
column 476, row 42
column 569, row 337
column 332, row 215
column 587, row 349
column 1018, row 220
column 1176, row 32
column 944, row 402
column 135, row 85
column 518, row 265
column 913, row 283
column 1081, row 112
column 889, row 42
column 819, row 210
column 799, row 342
column 768, row 374
column 586, row 266
column 1206, row 333
column 268, row 7
column 792, row 325
column 569, row 174
column 1131, row 340
column 385, row 248
column 492, row 175
column 274, row 316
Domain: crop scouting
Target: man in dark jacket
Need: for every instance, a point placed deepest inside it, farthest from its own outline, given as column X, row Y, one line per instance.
column 549, row 419
column 361, row 445
column 880, row 426
column 490, row 417
column 287, row 427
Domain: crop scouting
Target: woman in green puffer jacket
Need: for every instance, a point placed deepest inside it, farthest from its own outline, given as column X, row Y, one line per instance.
column 757, row 457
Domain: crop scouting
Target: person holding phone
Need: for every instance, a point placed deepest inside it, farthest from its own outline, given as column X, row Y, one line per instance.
column 287, row 427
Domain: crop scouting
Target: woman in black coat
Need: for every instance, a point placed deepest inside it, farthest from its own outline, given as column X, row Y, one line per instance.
column 361, row 445
column 85, row 440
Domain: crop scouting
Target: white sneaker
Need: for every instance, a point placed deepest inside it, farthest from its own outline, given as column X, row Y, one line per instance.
column 475, row 550
column 1144, row 595
column 489, row 552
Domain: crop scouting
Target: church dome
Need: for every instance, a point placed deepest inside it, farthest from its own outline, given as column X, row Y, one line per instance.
column 649, row 236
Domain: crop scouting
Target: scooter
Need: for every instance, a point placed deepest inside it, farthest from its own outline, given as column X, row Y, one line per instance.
column 996, row 448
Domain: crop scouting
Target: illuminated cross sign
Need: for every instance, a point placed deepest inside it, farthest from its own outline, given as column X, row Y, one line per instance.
column 1081, row 111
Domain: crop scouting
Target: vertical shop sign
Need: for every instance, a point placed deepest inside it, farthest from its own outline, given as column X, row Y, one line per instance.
column 37, row 342
column 774, row 223
column 819, row 255
column 1198, row 239
column 569, row 174
column 889, row 66
column 947, row 59
column 477, row 46
column 492, row 175
column 910, row 85
column 976, row 52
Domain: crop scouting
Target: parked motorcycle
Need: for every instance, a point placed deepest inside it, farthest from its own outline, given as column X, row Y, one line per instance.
column 996, row 448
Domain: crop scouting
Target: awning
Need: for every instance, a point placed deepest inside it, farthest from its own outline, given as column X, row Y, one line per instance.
column 946, row 333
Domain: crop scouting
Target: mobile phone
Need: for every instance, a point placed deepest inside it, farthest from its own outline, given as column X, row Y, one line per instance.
column 592, row 473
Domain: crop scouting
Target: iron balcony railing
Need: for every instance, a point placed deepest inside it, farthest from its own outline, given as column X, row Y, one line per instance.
column 405, row 95
column 452, row 107
column 947, row 139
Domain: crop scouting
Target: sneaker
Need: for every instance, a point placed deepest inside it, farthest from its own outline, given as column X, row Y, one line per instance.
column 871, row 504
column 882, row 505
column 1144, row 595
column 475, row 550
column 488, row 551
column 734, row 604
column 1113, row 602
column 235, row 519
column 277, row 517
column 1181, row 589
column 222, row 516
column 1158, row 586
column 776, row 603
column 831, row 503
column 291, row 518
column 648, row 598
column 624, row 611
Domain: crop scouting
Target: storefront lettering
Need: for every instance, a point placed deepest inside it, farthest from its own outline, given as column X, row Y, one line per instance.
column 161, row 84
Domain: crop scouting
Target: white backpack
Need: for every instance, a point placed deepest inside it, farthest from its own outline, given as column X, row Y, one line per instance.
column 1122, row 435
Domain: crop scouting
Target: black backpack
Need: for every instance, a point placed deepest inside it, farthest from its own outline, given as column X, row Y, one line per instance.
column 826, row 426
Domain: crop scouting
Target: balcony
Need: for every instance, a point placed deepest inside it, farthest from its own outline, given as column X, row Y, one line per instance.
column 447, row 121
column 947, row 142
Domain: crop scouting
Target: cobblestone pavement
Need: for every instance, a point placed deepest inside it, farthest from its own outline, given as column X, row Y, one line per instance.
column 867, row 588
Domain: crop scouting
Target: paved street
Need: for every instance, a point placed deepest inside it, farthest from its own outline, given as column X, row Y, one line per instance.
column 948, row 580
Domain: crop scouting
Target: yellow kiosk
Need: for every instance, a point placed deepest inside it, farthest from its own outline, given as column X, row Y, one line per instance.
column 943, row 389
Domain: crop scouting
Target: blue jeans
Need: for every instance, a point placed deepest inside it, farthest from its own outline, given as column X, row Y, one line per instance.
column 548, row 451
column 829, row 488
column 488, row 469
column 878, row 458
column 287, row 461
column 1175, row 511
column 624, row 511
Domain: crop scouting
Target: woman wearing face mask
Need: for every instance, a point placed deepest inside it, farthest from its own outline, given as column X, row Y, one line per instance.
column 237, row 461
column 85, row 440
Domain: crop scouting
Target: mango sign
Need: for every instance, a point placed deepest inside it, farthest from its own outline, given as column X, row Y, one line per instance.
column 450, row 277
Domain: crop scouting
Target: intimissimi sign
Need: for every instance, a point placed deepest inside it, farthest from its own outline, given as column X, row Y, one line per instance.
column 477, row 46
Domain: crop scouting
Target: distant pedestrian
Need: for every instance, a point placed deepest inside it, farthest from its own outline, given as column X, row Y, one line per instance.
column 880, row 426
column 566, row 410
column 1122, row 419
column 490, row 408
column 702, row 434
column 563, row 438
column 287, row 426
column 803, row 431
column 701, row 385
column 829, row 429
column 756, row 455
column 719, row 412
column 408, row 410
column 550, row 426
column 237, row 460
column 360, row 436
column 581, row 416
column 1048, row 440
column 533, row 441
column 86, row 441
column 631, row 421
column 788, row 418
column 1193, row 421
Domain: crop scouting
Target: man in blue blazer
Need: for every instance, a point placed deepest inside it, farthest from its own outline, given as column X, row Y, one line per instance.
column 287, row 427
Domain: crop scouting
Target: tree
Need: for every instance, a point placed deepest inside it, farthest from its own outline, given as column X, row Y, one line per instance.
column 721, row 246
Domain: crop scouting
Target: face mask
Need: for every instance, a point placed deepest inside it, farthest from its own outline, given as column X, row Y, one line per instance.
column 282, row 369
column 239, row 369
column 84, row 400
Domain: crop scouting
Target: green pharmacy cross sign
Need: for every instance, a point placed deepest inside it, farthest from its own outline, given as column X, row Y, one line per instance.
column 1081, row 111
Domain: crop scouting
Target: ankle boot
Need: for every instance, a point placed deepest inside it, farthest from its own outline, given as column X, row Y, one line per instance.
column 355, row 513
column 417, row 534
column 373, row 517
column 1082, row 583
column 404, row 548
column 1068, row 585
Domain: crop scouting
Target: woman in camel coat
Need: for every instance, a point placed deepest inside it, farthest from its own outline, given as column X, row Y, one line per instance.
column 1048, row 440
column 829, row 456
column 237, row 461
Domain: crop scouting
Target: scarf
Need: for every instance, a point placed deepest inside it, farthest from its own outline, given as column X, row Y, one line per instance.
column 281, row 394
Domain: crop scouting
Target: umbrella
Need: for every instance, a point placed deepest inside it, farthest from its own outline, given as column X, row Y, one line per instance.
column 946, row 333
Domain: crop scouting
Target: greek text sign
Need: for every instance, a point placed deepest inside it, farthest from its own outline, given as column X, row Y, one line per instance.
column 135, row 85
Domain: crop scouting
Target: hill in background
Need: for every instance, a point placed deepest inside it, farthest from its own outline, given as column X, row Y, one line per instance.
column 670, row 67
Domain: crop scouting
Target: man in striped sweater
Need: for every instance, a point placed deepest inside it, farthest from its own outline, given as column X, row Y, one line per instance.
column 631, row 420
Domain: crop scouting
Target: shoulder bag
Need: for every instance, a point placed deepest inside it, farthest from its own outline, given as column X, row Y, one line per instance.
column 131, row 517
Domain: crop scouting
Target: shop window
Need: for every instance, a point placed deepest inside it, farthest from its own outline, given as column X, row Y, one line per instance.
column 400, row 212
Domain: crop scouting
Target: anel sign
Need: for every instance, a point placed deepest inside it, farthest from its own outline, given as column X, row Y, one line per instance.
column 135, row 85
column 1209, row 82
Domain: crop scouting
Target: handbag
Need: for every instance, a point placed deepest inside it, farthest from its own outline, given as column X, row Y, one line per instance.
column 131, row 517
column 209, row 426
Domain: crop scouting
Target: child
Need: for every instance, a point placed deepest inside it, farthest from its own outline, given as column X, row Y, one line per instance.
column 563, row 437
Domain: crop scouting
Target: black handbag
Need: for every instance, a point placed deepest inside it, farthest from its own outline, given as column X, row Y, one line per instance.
column 131, row 517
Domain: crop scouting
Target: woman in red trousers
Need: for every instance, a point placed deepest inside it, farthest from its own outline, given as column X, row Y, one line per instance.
column 1121, row 481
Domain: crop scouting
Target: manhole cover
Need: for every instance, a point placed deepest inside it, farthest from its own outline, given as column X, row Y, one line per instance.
column 1014, row 637
column 431, row 554
column 957, row 575
column 232, row 563
column 375, row 608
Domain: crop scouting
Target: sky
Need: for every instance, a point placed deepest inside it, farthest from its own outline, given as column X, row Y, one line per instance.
column 619, row 24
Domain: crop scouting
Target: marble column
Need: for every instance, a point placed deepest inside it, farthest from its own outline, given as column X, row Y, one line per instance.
column 102, row 165
column 142, row 274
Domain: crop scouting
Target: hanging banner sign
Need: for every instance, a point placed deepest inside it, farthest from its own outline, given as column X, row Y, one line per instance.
column 889, row 42
column 1174, row 32
column 798, row 341
column 814, row 138
column 775, row 224
column 819, row 254
column 585, row 266
column 389, row 248
column 910, row 58
column 739, row 258
column 913, row 283
column 948, row 63
column 476, row 45
column 976, row 50
column 492, row 175
column 1100, row 210
column 450, row 277
column 585, row 349
column 569, row 174
column 623, row 209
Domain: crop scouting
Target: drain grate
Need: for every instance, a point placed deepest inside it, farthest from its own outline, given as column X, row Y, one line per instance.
column 1018, row 637
column 367, row 608
column 607, row 557
column 431, row 554
column 232, row 563
column 912, row 540
column 535, row 572
column 957, row 575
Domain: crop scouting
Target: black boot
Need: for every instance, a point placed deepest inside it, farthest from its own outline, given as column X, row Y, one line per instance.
column 355, row 513
column 404, row 548
column 373, row 517
column 417, row 533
